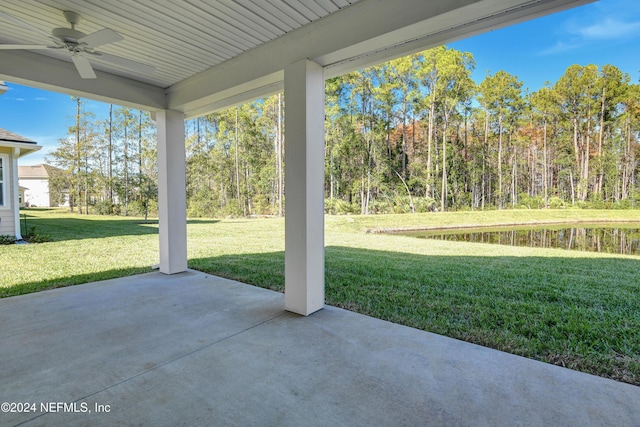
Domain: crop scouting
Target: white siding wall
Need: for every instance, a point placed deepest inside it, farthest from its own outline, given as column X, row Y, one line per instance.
column 37, row 193
column 7, row 221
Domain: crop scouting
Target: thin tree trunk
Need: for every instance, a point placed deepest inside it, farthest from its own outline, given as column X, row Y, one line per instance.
column 279, row 154
column 573, row 189
column 140, row 149
column 77, row 155
column 484, row 159
column 126, row 168
column 237, row 162
column 587, row 154
column 628, row 160
column 546, row 165
column 110, row 154
column 500, row 203
column 247, row 182
column 406, row 187
column 514, row 173
column 404, row 134
column 601, row 141
column 443, row 191
column 428, row 189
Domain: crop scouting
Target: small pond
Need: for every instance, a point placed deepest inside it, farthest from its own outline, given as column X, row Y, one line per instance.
column 609, row 238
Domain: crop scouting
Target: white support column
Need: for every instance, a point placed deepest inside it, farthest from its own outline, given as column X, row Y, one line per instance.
column 15, row 190
column 172, row 192
column 304, row 187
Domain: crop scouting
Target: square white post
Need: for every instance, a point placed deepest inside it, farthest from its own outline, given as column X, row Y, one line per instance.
column 172, row 192
column 304, row 187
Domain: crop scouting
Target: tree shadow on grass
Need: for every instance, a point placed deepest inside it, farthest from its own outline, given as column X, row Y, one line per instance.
column 578, row 312
column 191, row 221
column 78, row 228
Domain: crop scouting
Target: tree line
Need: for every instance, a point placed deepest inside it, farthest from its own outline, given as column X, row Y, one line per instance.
column 417, row 133
column 411, row 135
column 107, row 166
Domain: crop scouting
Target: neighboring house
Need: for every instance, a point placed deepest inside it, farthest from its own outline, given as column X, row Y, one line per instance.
column 21, row 191
column 35, row 180
column 12, row 147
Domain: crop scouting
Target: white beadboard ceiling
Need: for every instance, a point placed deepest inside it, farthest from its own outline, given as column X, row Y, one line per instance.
column 179, row 38
column 209, row 54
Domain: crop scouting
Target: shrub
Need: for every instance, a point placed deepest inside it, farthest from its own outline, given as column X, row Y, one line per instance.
column 105, row 208
column 200, row 208
column 347, row 208
column 341, row 207
column 402, row 204
column 232, row 209
column 425, row 204
column 32, row 236
column 626, row 204
column 581, row 204
column 5, row 239
column 527, row 202
column 463, row 202
column 556, row 203
column 329, row 206
column 380, row 206
column 263, row 206
column 39, row 238
column 138, row 208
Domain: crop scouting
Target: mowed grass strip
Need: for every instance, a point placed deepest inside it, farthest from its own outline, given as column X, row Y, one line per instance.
column 578, row 310
column 83, row 249
column 574, row 309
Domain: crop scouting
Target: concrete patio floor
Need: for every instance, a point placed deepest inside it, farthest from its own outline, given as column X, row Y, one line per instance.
column 192, row 349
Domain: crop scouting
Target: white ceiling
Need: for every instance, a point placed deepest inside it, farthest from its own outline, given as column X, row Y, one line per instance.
column 160, row 33
column 211, row 54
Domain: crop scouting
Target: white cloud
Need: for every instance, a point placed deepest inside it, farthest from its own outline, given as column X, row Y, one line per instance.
column 607, row 21
column 561, row 47
column 609, row 29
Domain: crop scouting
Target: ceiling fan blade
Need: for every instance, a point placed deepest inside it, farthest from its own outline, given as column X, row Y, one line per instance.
column 83, row 66
column 124, row 63
column 23, row 46
column 23, row 24
column 104, row 36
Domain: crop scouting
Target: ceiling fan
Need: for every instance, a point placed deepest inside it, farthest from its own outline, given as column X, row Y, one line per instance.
column 81, row 46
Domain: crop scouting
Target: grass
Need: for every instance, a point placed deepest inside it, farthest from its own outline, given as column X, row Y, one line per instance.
column 574, row 309
column 83, row 249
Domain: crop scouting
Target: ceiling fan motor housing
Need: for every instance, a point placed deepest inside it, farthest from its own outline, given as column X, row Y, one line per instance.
column 67, row 35
column 72, row 18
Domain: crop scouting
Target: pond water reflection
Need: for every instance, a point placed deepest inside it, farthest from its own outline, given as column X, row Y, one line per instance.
column 608, row 238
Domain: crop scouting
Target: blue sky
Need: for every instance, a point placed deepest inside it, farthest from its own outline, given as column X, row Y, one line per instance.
column 540, row 50
column 605, row 32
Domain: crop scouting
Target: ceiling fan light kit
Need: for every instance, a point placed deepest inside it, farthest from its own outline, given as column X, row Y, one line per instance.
column 81, row 46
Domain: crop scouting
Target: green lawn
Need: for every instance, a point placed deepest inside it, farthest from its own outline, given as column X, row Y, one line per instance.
column 575, row 309
column 84, row 249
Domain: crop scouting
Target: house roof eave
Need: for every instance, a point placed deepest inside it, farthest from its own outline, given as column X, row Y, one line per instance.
column 24, row 147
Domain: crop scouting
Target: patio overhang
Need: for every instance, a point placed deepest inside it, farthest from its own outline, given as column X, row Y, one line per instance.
column 213, row 55
column 365, row 33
